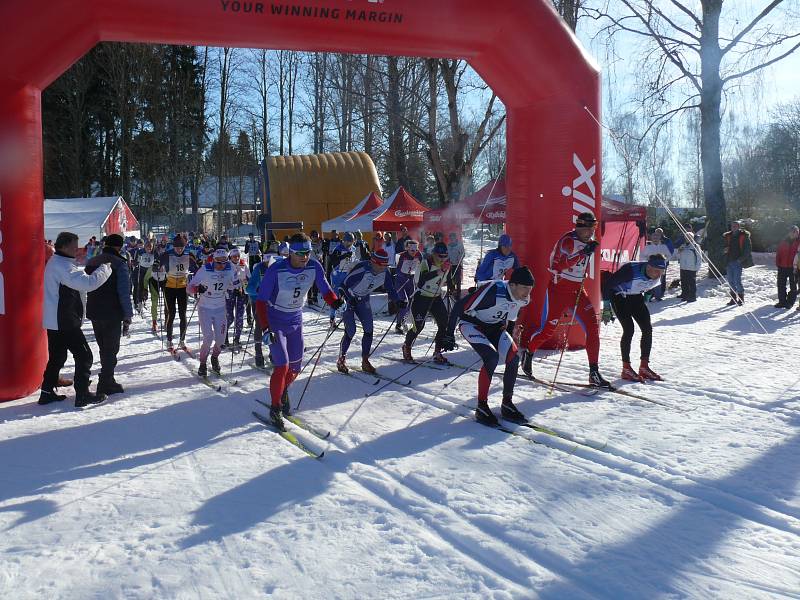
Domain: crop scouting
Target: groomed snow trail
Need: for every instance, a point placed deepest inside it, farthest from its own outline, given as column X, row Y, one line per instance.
column 174, row 491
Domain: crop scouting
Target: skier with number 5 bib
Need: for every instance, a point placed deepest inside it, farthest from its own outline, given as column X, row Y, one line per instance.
column 569, row 262
column 279, row 309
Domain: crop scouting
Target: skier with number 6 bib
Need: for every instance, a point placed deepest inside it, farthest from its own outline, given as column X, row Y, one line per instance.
column 279, row 309
column 569, row 262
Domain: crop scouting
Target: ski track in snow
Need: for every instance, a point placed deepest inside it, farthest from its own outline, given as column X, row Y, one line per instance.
column 173, row 491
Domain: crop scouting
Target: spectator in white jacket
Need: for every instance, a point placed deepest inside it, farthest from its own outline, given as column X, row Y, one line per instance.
column 64, row 285
column 658, row 244
column 690, row 261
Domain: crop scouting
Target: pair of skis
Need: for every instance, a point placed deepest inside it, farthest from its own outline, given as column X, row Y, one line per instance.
column 291, row 437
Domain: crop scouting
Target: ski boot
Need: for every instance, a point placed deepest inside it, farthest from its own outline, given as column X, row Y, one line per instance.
column 439, row 358
column 237, row 344
column 109, row 387
column 215, row 364
column 740, row 299
column 226, row 344
column 510, row 412
column 645, row 372
column 259, row 356
column 333, row 324
column 202, row 370
column 595, row 379
column 367, row 367
column 398, row 329
column 527, row 362
column 154, row 328
column 87, row 398
column 484, row 414
column 286, row 406
column 628, row 374
column 341, row 366
column 407, row 353
column 48, row 396
column 733, row 300
column 276, row 418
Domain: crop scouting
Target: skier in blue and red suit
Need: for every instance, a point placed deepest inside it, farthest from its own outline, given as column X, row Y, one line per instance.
column 279, row 308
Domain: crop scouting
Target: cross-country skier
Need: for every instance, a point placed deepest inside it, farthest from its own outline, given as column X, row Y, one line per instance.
column 481, row 317
column 342, row 258
column 253, row 285
column 280, row 312
column 253, row 251
column 428, row 299
column 176, row 265
column 213, row 282
column 236, row 296
column 408, row 263
column 498, row 261
column 355, row 290
column 144, row 261
column 569, row 262
column 624, row 292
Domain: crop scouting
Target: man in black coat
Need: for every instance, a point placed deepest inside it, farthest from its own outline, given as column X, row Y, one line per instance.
column 109, row 307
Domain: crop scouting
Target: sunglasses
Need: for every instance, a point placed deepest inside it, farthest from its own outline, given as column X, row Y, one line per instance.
column 301, row 252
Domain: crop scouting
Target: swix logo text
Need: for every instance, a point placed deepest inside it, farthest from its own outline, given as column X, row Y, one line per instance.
column 581, row 201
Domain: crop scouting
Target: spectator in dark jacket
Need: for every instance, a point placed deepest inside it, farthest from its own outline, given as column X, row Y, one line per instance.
column 62, row 316
column 739, row 254
column 110, row 309
column 400, row 245
column 784, row 260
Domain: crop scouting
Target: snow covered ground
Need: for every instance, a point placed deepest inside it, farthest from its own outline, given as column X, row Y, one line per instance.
column 173, row 491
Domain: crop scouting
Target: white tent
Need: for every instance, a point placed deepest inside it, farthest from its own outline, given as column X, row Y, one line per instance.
column 87, row 217
column 353, row 219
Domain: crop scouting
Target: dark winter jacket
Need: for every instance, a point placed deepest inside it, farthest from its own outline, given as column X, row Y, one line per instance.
column 738, row 247
column 112, row 300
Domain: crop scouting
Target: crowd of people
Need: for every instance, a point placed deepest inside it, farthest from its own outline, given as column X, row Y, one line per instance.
column 267, row 285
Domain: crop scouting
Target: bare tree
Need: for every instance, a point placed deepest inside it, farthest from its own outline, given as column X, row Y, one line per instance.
column 688, row 65
column 569, row 10
column 227, row 65
column 258, row 75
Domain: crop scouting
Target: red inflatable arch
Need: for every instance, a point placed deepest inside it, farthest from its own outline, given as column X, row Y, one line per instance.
column 520, row 47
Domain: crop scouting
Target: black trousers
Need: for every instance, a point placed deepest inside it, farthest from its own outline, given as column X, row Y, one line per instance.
column 688, row 285
column 787, row 274
column 421, row 306
column 107, row 334
column 58, row 343
column 629, row 309
column 171, row 297
column 454, row 278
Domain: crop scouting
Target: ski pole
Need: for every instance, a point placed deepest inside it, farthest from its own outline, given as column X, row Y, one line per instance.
column 463, row 371
column 247, row 343
column 316, row 362
column 571, row 323
column 160, row 318
column 388, row 329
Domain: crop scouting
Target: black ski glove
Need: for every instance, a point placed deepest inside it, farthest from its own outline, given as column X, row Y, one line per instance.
column 589, row 249
column 337, row 304
column 202, row 289
column 448, row 342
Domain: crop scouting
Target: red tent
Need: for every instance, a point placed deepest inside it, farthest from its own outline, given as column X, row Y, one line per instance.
column 401, row 208
column 488, row 204
column 624, row 227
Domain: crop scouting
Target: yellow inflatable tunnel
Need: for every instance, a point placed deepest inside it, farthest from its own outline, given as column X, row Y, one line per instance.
column 315, row 187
